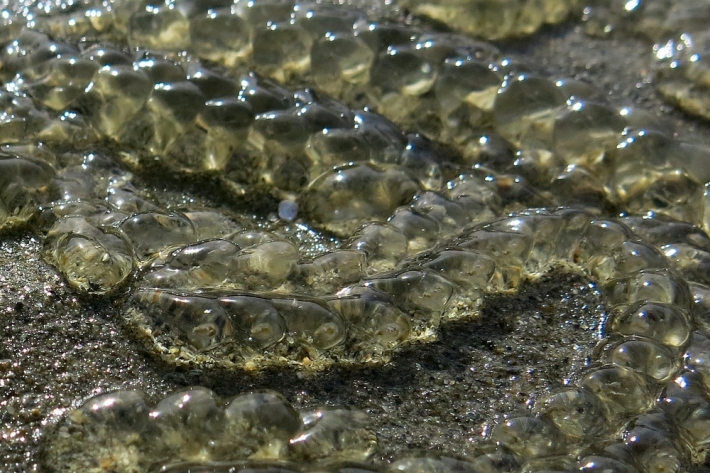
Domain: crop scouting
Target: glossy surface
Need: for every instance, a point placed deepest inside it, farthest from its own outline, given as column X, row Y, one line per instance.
column 508, row 174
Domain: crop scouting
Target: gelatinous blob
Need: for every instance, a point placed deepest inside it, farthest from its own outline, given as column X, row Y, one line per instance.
column 575, row 411
column 267, row 265
column 622, row 390
column 334, row 434
column 410, row 232
column 187, row 422
column 259, row 425
column 664, row 323
column 494, row 19
column 686, row 402
column 207, row 264
column 697, row 355
column 528, row 436
column 255, row 319
column 312, row 323
column 647, row 357
column 680, row 53
column 356, row 193
column 421, row 293
column 375, row 315
column 153, row 232
column 25, row 184
column 199, row 320
column 93, row 258
column 471, row 270
column 119, row 432
column 332, row 271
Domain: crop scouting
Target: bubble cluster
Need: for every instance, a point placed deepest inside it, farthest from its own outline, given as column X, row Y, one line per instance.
column 681, row 37
column 120, row 432
column 508, row 174
column 492, row 19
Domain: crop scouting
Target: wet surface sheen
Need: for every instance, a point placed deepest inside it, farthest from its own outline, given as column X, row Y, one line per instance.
column 490, row 268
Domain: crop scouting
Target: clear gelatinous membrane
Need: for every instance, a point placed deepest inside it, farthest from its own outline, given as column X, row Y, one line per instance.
column 261, row 424
column 621, row 390
column 357, row 192
column 201, row 321
column 651, row 441
column 577, row 412
column 118, row 431
column 25, row 184
column 664, row 323
column 529, row 437
column 375, row 315
column 152, row 232
column 186, row 422
column 685, row 401
column 647, row 357
column 334, row 434
column 93, row 258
